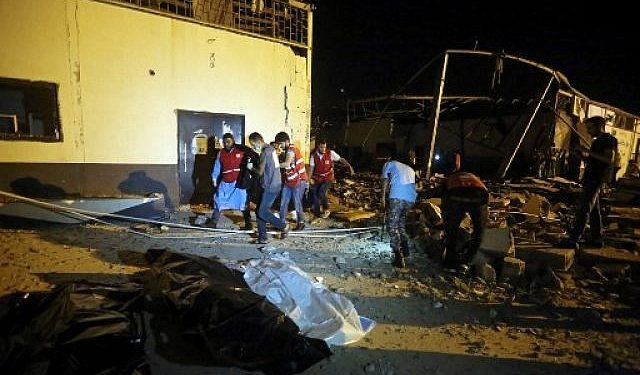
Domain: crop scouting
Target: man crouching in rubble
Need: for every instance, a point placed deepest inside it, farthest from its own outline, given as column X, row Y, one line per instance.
column 599, row 169
column 462, row 192
column 399, row 180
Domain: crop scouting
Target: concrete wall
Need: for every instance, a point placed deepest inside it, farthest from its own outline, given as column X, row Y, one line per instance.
column 113, row 110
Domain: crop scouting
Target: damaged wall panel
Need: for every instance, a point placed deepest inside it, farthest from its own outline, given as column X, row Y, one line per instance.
column 123, row 74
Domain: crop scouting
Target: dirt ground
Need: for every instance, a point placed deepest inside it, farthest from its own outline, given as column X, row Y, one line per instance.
column 428, row 322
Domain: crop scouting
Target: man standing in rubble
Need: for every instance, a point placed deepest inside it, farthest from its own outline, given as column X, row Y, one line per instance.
column 230, row 194
column 599, row 170
column 269, row 172
column 399, row 184
column 294, row 179
column 462, row 193
column 321, row 170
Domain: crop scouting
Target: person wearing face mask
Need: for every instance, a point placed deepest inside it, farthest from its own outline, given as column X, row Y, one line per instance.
column 229, row 194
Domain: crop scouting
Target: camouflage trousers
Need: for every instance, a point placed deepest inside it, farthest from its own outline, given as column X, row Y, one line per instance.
column 398, row 212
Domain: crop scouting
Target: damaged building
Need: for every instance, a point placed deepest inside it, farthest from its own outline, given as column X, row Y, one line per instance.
column 121, row 97
column 508, row 115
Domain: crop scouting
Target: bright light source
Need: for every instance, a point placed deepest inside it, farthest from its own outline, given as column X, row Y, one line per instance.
column 437, row 157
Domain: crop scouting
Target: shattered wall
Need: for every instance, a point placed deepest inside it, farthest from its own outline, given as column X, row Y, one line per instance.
column 122, row 74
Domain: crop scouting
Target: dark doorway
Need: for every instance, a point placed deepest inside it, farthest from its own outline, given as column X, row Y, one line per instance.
column 199, row 135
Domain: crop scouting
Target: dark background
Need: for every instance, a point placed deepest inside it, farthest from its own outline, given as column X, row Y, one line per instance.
column 373, row 47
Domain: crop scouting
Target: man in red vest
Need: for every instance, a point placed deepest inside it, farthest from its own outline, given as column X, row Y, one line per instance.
column 463, row 193
column 321, row 163
column 229, row 195
column 294, row 178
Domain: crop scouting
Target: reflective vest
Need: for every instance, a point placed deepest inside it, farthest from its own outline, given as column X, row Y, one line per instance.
column 296, row 170
column 464, row 180
column 323, row 166
column 230, row 164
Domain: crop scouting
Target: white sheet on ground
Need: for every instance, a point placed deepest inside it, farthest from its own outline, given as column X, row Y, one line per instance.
column 318, row 312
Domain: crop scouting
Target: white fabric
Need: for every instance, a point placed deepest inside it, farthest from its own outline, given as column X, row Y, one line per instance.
column 229, row 197
column 317, row 311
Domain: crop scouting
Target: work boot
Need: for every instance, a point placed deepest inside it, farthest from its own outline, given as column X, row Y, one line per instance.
column 595, row 244
column 568, row 243
column 405, row 248
column 248, row 226
column 211, row 224
column 285, row 231
column 300, row 226
column 398, row 259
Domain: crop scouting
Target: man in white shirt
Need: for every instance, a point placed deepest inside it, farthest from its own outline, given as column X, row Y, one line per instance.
column 399, row 182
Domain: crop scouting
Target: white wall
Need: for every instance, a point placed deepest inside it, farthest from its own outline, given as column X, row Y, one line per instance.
column 112, row 110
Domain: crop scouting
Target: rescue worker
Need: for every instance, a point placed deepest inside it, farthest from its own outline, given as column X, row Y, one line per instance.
column 294, row 179
column 399, row 185
column 269, row 172
column 321, row 170
column 462, row 193
column 599, row 170
column 230, row 194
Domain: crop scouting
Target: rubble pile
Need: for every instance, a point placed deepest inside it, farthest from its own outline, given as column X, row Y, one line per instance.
column 361, row 191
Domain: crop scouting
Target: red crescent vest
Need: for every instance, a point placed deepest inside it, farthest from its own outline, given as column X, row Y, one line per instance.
column 296, row 170
column 464, row 180
column 230, row 164
column 323, row 166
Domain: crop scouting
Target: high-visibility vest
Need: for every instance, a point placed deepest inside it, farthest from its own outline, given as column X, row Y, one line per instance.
column 464, row 180
column 230, row 162
column 323, row 166
column 296, row 170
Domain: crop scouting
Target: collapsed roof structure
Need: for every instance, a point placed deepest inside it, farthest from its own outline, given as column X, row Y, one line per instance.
column 507, row 114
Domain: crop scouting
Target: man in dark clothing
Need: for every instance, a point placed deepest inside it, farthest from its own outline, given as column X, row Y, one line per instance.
column 463, row 193
column 269, row 172
column 600, row 160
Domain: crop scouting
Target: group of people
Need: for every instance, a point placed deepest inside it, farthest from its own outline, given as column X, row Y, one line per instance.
column 279, row 171
column 462, row 192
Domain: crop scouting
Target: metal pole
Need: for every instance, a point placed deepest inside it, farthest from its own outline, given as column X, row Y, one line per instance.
column 526, row 129
column 436, row 112
column 346, row 129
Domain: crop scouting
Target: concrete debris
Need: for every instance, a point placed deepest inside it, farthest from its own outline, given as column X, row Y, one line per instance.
column 512, row 268
column 498, row 242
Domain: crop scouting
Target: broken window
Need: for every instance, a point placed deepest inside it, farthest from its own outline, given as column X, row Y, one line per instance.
column 29, row 110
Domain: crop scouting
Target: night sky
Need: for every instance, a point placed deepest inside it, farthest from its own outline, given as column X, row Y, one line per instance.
column 372, row 47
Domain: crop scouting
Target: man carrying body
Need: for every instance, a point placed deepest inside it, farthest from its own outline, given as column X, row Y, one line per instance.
column 230, row 194
column 321, row 163
column 294, row 179
column 269, row 171
column 600, row 164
